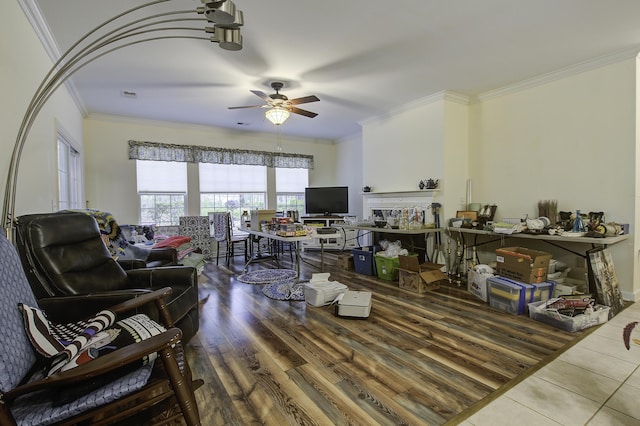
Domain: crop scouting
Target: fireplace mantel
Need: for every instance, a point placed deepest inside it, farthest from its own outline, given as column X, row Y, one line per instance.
column 397, row 200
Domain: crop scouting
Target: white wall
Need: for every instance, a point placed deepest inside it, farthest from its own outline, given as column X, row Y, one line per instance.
column 404, row 147
column 23, row 63
column 425, row 140
column 111, row 176
column 349, row 171
column 572, row 140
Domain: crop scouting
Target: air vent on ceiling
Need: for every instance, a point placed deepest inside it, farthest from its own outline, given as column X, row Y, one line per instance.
column 129, row 94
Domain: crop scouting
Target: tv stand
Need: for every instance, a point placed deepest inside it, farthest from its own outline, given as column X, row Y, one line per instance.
column 341, row 239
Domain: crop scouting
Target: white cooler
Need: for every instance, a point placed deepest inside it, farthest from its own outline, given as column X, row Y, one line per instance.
column 354, row 304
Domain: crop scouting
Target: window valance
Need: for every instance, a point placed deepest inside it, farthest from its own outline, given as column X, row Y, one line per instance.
column 155, row 151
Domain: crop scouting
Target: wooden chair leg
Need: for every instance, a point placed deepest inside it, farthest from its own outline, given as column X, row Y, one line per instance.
column 181, row 388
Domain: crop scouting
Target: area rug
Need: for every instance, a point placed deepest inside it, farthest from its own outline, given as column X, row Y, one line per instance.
column 289, row 290
column 268, row 276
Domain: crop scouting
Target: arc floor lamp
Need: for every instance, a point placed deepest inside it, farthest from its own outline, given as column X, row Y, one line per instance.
column 227, row 20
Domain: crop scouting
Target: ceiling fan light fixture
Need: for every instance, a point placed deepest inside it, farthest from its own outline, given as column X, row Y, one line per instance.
column 277, row 115
column 220, row 12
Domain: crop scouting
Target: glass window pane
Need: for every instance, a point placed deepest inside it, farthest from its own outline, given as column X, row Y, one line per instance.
column 291, row 180
column 161, row 176
column 232, row 178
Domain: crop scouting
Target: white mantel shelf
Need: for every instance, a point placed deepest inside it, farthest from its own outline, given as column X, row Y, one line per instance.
column 415, row 193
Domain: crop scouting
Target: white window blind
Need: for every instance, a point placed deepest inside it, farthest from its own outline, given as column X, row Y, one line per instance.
column 161, row 176
column 232, row 178
column 291, row 180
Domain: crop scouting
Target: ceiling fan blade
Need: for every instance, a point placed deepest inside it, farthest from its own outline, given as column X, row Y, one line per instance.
column 302, row 112
column 303, row 100
column 262, row 96
column 247, row 106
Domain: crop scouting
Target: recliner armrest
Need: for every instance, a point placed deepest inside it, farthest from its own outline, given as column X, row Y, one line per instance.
column 65, row 309
column 153, row 278
column 128, row 264
column 165, row 255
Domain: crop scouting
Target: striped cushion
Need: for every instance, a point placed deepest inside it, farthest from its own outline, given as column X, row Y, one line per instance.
column 38, row 330
column 64, row 344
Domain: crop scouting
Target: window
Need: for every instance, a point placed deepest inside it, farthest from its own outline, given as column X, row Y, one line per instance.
column 290, row 185
column 69, row 175
column 162, row 187
column 232, row 188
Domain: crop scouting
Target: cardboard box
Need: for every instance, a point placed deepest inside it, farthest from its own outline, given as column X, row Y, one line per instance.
column 346, row 262
column 419, row 277
column 522, row 264
column 261, row 216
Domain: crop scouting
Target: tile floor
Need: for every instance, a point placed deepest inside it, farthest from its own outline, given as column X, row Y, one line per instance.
column 595, row 382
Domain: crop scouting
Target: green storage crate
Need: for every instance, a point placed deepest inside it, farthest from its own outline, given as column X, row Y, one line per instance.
column 387, row 267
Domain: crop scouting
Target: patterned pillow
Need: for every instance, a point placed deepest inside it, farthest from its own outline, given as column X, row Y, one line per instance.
column 67, row 345
column 38, row 331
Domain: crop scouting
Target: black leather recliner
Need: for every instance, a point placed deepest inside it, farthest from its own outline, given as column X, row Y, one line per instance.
column 129, row 255
column 64, row 256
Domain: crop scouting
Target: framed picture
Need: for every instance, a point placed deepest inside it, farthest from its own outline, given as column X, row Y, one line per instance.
column 464, row 214
column 602, row 277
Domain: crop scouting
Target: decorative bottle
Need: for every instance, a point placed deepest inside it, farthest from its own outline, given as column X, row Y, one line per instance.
column 578, row 226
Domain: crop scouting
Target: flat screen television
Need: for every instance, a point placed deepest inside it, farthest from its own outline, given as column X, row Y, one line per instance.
column 327, row 200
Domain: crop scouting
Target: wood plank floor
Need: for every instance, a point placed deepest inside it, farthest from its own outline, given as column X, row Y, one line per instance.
column 418, row 359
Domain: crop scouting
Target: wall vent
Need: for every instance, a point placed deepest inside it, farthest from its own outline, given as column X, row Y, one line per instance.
column 129, row 94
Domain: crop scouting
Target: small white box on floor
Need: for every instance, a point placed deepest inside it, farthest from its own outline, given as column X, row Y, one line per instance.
column 477, row 284
column 319, row 291
column 354, row 304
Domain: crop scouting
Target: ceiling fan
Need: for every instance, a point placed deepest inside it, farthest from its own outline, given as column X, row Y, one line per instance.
column 277, row 100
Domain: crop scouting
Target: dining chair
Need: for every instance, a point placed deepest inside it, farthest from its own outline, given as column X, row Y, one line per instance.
column 222, row 232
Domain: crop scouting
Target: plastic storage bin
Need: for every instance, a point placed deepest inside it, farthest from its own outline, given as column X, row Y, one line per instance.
column 387, row 267
column 363, row 260
column 514, row 296
column 552, row 317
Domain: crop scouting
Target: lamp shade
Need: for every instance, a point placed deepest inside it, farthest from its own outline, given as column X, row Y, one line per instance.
column 220, row 12
column 277, row 115
column 228, row 38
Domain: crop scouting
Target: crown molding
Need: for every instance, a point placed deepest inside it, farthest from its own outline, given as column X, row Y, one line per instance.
column 43, row 32
column 445, row 95
column 119, row 119
column 569, row 71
